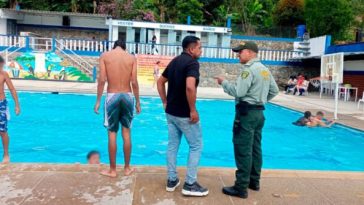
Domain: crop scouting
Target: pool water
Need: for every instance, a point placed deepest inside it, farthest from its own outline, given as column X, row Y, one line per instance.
column 63, row 128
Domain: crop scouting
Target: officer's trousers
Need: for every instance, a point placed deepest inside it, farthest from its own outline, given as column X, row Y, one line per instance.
column 247, row 147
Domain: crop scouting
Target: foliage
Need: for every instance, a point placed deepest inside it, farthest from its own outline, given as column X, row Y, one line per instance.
column 289, row 12
column 329, row 17
column 251, row 17
column 191, row 8
column 249, row 13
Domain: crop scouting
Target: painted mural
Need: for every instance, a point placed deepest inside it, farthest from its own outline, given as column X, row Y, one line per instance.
column 150, row 67
column 44, row 66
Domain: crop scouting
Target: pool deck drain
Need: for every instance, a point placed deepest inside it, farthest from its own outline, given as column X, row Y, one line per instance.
column 57, row 184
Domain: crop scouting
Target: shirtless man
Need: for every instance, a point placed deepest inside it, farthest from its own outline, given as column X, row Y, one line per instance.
column 118, row 69
column 4, row 112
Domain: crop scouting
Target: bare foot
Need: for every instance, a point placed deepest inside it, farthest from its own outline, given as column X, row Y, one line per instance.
column 128, row 171
column 109, row 173
column 6, row 159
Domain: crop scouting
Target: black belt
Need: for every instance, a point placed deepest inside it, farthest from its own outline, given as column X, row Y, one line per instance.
column 243, row 107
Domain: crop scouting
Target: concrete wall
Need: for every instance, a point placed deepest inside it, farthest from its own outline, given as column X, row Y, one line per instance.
column 65, row 33
column 354, row 65
column 56, row 20
column 230, row 71
column 272, row 45
column 3, row 26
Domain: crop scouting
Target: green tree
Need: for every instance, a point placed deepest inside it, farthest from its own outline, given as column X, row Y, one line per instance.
column 358, row 10
column 249, row 13
column 3, row 3
column 329, row 17
column 191, row 8
column 289, row 12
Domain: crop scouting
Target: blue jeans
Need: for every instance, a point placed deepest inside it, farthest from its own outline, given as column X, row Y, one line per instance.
column 176, row 127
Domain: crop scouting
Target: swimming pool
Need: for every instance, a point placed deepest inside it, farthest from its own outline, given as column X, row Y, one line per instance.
column 63, row 128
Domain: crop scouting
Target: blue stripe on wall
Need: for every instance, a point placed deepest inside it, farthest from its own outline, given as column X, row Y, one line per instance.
column 260, row 38
column 355, row 47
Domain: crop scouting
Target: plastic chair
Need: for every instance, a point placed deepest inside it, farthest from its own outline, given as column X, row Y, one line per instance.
column 361, row 101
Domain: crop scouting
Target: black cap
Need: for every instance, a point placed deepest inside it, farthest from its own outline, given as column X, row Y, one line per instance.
column 246, row 45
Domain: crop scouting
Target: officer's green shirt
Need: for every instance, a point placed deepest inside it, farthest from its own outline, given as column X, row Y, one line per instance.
column 254, row 85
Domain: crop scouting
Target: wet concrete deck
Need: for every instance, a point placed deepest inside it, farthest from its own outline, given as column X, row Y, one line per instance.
column 37, row 184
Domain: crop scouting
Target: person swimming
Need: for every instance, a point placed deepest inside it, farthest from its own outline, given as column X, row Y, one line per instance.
column 318, row 121
column 305, row 120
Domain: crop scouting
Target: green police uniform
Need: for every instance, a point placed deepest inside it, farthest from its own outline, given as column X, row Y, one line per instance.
column 253, row 88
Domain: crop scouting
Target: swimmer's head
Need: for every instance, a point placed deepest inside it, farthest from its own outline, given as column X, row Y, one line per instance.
column 93, row 157
column 307, row 114
column 120, row 43
column 320, row 115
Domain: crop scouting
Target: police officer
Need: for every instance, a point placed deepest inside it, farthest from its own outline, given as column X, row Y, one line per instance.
column 253, row 87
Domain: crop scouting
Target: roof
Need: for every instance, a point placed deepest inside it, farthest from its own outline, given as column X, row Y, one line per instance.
column 25, row 11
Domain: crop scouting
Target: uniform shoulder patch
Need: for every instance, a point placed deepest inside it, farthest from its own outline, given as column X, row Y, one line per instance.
column 265, row 74
column 244, row 74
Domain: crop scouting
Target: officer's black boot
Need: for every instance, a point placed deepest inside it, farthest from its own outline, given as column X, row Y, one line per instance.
column 254, row 186
column 232, row 191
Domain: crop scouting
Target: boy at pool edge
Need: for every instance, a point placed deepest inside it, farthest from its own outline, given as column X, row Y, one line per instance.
column 4, row 112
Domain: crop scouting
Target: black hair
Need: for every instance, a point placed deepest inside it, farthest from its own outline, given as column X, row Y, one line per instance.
column 292, row 77
column 2, row 59
column 93, row 152
column 120, row 43
column 188, row 40
column 307, row 114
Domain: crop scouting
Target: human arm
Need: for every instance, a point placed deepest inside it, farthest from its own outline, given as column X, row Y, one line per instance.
column 240, row 87
column 161, row 86
column 273, row 89
column 100, row 84
column 192, row 75
column 135, row 86
column 13, row 93
column 191, row 93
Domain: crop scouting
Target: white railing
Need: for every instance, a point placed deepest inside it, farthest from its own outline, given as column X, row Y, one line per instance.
column 11, row 41
column 40, row 44
column 94, row 46
column 84, row 65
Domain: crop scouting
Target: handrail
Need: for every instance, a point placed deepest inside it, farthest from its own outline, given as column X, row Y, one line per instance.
column 89, row 70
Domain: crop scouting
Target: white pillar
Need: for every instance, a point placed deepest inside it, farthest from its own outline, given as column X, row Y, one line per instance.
column 115, row 33
column 143, row 35
column 212, row 39
column 172, row 37
column 130, row 35
column 3, row 27
column 198, row 35
column 226, row 38
column 109, row 21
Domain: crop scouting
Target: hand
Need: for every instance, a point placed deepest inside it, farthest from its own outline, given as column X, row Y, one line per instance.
column 219, row 79
column 194, row 118
column 17, row 110
column 137, row 108
column 96, row 108
column 165, row 105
